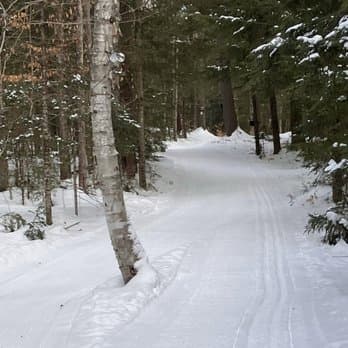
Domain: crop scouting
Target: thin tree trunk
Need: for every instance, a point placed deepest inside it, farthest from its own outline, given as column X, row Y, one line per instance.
column 75, row 188
column 64, row 151
column 127, row 249
column 256, row 113
column 274, row 122
column 82, row 153
column 87, row 22
column 203, row 115
column 195, row 108
column 229, row 108
column 175, row 91
column 3, row 174
column 45, row 127
column 3, row 160
column 183, row 120
column 81, row 125
column 22, row 181
column 140, row 97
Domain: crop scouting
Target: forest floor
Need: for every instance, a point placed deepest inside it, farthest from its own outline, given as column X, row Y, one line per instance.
column 224, row 233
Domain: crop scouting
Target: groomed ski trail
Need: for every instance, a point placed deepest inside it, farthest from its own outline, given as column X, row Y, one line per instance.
column 239, row 284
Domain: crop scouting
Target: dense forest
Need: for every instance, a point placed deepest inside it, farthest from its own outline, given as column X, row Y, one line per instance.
column 265, row 66
column 207, row 140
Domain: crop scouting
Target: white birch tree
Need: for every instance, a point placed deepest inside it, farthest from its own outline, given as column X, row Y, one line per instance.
column 105, row 37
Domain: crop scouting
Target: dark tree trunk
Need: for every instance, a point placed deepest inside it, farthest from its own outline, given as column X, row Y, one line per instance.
column 295, row 121
column 337, row 186
column 64, row 151
column 229, row 109
column 195, row 108
column 83, row 158
column 45, row 126
column 183, row 120
column 175, row 90
column 3, row 174
column 275, row 122
column 3, row 161
column 64, row 132
column 256, row 117
column 140, row 97
column 203, row 116
column 129, row 165
column 337, row 180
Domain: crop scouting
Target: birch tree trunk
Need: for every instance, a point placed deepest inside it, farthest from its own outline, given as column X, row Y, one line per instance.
column 105, row 34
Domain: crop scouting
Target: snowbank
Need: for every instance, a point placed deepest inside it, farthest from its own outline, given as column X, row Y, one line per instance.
column 240, row 136
column 201, row 135
column 112, row 305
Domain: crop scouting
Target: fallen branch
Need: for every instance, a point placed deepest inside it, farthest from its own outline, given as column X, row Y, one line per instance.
column 72, row 225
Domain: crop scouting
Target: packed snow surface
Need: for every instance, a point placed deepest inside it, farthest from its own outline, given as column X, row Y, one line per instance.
column 229, row 264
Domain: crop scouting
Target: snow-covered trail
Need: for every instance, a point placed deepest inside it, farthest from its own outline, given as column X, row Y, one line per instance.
column 234, row 287
column 242, row 283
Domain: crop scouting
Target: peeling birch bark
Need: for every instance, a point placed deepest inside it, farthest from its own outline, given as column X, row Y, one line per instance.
column 126, row 246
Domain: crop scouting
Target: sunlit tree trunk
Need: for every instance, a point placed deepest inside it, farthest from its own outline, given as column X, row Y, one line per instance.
column 105, row 37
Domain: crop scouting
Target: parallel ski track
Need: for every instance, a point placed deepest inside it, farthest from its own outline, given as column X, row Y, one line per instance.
column 315, row 336
column 271, row 309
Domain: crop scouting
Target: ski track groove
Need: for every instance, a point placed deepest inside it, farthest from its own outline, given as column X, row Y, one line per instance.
column 251, row 311
column 279, row 306
column 315, row 329
column 270, row 306
column 287, row 281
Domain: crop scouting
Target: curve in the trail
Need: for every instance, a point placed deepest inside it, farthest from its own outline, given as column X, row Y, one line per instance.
column 234, row 287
